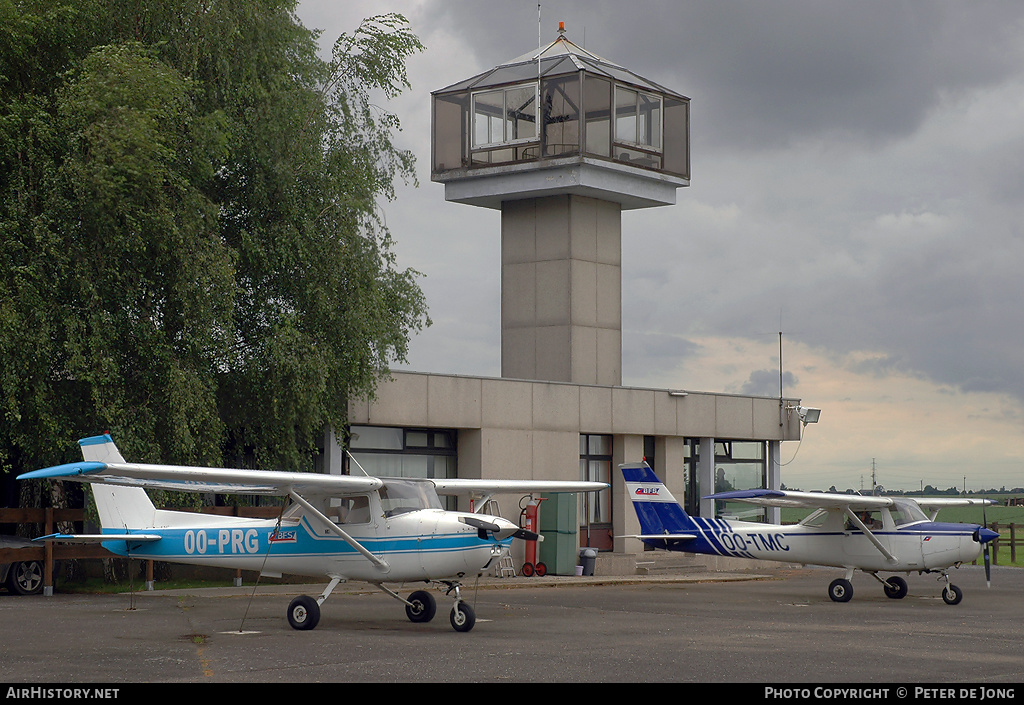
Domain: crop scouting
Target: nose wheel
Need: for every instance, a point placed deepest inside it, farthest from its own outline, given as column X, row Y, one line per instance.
column 462, row 617
column 951, row 594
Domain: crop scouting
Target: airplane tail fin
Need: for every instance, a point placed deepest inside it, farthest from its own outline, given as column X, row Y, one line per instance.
column 658, row 511
column 119, row 507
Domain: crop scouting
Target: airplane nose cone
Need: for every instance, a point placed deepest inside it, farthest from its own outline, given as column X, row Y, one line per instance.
column 493, row 527
column 985, row 535
column 507, row 528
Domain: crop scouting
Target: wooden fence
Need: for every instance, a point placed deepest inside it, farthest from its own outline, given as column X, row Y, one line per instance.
column 1004, row 542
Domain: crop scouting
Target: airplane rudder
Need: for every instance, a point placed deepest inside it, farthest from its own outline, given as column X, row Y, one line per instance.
column 118, row 506
column 638, row 472
column 100, row 448
column 655, row 505
column 643, row 485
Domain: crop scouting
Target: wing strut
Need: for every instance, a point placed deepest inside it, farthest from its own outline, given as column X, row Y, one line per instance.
column 329, row 525
column 871, row 537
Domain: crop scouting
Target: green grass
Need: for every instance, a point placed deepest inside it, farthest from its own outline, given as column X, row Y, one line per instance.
column 98, row 586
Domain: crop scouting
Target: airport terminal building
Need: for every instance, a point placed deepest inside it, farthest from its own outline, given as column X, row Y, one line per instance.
column 562, row 141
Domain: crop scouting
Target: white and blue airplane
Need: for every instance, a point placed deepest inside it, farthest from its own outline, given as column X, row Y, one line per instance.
column 854, row 532
column 342, row 527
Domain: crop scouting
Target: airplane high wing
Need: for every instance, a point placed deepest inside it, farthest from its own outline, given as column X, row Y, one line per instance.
column 809, row 500
column 823, row 500
column 853, row 532
column 198, row 479
column 342, row 527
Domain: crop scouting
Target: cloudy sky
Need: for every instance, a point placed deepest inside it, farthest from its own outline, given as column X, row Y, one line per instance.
column 857, row 184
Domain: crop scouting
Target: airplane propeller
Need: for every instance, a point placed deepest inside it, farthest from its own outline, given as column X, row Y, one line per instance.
column 483, row 527
column 988, row 566
column 986, row 536
column 526, row 535
column 488, row 529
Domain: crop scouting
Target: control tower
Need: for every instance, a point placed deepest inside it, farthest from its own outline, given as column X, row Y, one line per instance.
column 561, row 141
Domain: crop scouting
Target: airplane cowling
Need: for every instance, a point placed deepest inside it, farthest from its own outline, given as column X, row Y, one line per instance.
column 941, row 550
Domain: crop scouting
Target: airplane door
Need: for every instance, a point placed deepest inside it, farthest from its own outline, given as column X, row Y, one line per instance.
column 356, row 517
column 427, row 529
column 406, row 538
column 857, row 545
column 910, row 547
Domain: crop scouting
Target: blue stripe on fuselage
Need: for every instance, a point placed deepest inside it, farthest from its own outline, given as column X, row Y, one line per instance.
column 298, row 540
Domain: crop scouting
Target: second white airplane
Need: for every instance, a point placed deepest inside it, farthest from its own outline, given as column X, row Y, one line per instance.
column 870, row 534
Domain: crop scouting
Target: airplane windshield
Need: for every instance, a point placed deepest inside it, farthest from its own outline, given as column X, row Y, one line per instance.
column 398, row 496
column 906, row 513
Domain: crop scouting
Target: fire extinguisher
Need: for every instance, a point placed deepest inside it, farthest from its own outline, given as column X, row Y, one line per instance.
column 529, row 519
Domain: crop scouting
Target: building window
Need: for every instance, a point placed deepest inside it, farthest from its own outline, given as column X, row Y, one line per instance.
column 638, row 118
column 505, row 116
column 560, row 116
column 405, row 452
column 740, row 465
column 595, row 507
column 691, row 476
column 597, row 106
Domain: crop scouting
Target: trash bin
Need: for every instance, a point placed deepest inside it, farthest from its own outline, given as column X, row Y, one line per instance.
column 588, row 559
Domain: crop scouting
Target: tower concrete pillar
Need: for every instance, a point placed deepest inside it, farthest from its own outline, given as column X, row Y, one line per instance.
column 561, row 283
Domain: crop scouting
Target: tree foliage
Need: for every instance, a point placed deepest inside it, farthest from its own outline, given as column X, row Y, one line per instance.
column 192, row 249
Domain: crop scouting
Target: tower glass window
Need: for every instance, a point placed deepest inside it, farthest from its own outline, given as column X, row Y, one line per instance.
column 638, row 127
column 568, row 103
column 505, row 116
column 560, row 112
column 597, row 107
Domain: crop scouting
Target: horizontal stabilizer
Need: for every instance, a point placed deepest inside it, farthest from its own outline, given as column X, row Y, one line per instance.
column 675, row 537
column 99, row 538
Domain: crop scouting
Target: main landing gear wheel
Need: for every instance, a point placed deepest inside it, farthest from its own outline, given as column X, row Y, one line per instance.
column 895, row 587
column 462, row 617
column 422, row 607
column 840, row 590
column 952, row 595
column 303, row 613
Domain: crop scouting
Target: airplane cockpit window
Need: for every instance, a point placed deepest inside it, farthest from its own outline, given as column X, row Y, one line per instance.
column 816, row 519
column 399, row 496
column 906, row 513
column 341, row 510
column 354, row 510
column 872, row 520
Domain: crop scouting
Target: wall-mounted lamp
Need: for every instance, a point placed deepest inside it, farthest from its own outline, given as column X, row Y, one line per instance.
column 806, row 414
column 677, row 393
